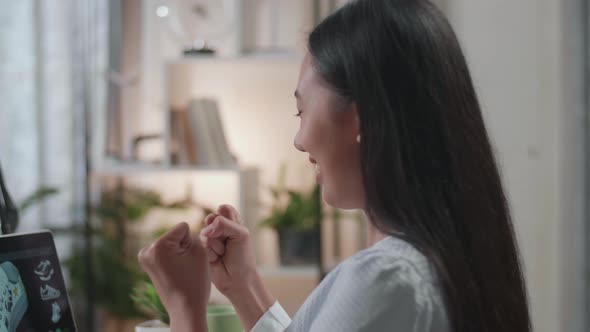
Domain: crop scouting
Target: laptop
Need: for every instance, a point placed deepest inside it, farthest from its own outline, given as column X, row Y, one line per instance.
column 33, row 296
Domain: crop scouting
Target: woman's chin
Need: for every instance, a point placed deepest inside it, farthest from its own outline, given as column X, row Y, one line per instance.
column 337, row 199
column 326, row 195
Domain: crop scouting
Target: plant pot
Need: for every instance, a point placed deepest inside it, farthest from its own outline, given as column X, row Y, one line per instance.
column 220, row 318
column 152, row 326
column 112, row 323
column 223, row 318
column 299, row 247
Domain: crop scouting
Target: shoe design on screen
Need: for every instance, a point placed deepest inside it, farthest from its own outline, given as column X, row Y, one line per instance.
column 49, row 293
column 44, row 270
column 13, row 298
column 56, row 312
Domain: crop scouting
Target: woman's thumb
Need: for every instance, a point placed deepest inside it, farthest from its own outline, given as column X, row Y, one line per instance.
column 222, row 227
column 180, row 234
column 229, row 212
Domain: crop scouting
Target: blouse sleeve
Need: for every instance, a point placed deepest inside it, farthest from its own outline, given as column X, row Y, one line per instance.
column 376, row 293
column 275, row 319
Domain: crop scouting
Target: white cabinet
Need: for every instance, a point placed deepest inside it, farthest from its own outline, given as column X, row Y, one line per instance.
column 205, row 186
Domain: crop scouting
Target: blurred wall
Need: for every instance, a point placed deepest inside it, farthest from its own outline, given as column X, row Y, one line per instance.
column 526, row 60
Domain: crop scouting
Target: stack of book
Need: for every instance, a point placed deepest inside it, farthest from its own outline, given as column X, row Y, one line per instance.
column 197, row 136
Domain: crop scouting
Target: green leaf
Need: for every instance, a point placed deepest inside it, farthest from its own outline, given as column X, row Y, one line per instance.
column 36, row 197
column 282, row 175
column 275, row 193
column 302, row 211
column 147, row 300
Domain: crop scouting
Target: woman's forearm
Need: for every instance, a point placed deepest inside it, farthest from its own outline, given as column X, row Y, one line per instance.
column 188, row 317
column 251, row 302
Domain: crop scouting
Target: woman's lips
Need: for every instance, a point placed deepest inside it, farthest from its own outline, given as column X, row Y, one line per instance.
column 316, row 168
column 318, row 173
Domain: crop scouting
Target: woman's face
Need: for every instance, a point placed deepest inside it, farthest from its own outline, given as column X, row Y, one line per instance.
column 328, row 133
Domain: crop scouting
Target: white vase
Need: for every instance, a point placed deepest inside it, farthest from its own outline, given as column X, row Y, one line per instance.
column 152, row 326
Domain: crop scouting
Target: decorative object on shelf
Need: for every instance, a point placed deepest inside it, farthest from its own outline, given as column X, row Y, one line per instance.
column 274, row 26
column 204, row 27
column 261, row 25
column 279, row 26
column 296, row 216
column 197, row 136
column 139, row 141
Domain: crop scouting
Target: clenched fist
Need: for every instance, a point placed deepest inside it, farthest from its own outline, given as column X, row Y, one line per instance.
column 178, row 267
column 229, row 250
column 233, row 264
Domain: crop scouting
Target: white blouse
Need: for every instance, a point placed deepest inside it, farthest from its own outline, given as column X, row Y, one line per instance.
column 387, row 287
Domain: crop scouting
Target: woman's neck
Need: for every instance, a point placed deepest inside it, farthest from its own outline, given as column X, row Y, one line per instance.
column 374, row 235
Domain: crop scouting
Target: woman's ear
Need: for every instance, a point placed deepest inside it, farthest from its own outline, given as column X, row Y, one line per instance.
column 357, row 122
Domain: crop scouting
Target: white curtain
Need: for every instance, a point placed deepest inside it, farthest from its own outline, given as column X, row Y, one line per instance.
column 53, row 56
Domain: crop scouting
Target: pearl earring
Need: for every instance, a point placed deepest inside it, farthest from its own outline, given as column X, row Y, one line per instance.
column 358, row 138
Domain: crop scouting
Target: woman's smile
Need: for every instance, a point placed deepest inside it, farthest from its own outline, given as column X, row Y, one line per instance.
column 316, row 168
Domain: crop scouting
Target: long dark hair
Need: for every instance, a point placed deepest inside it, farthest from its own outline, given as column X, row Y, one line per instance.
column 428, row 168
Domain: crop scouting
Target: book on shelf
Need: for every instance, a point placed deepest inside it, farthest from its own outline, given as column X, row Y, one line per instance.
column 222, row 151
column 180, row 139
column 197, row 136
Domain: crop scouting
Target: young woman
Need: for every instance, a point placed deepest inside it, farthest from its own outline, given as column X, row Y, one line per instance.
column 390, row 119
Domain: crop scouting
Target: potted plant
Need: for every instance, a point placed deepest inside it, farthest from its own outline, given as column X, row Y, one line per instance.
column 10, row 215
column 220, row 317
column 147, row 300
column 114, row 255
column 296, row 217
column 37, row 196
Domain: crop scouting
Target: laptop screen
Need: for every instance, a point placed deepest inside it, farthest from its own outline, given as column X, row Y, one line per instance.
column 33, row 295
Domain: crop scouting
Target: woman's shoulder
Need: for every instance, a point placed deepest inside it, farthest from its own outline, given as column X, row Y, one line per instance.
column 392, row 262
column 391, row 250
column 388, row 284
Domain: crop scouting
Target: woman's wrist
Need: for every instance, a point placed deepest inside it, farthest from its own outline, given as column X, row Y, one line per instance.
column 187, row 324
column 251, row 301
column 188, row 317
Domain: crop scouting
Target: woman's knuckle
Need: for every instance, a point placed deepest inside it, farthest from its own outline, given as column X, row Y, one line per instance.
column 145, row 256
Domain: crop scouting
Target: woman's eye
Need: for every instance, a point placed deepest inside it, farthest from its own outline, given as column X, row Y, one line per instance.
column 298, row 113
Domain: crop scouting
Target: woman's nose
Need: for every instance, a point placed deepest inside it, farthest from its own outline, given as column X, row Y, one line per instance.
column 298, row 145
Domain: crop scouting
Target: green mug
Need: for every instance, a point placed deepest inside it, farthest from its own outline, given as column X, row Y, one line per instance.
column 223, row 318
